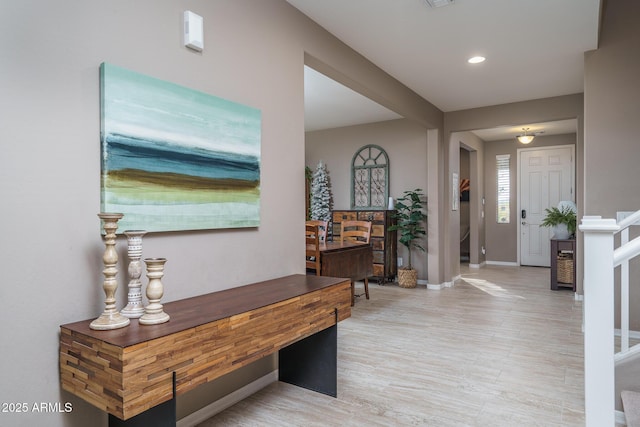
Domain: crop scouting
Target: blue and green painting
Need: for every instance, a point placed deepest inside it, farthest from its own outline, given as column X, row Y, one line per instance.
column 174, row 158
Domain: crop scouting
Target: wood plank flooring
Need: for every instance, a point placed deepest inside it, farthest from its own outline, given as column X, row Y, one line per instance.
column 497, row 349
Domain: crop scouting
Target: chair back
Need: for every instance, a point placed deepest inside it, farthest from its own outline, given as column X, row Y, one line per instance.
column 322, row 227
column 355, row 230
column 312, row 253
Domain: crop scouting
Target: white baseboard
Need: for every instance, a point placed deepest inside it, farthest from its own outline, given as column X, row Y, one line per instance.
column 225, row 402
column 632, row 334
column 578, row 297
column 482, row 264
column 503, row 263
column 440, row 286
column 435, row 286
column 428, row 285
column 620, row 418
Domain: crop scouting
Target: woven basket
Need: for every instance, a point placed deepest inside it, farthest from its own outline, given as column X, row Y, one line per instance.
column 407, row 278
column 565, row 268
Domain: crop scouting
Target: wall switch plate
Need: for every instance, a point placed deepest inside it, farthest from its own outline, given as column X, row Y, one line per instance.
column 193, row 31
column 399, row 261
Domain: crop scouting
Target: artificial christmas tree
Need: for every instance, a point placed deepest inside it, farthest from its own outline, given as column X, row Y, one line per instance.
column 320, row 194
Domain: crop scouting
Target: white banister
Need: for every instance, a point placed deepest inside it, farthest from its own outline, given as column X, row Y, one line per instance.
column 624, row 293
column 621, row 257
column 626, row 252
column 630, row 220
column 598, row 321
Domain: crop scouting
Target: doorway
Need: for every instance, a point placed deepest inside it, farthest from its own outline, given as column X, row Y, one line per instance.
column 465, row 217
column 546, row 177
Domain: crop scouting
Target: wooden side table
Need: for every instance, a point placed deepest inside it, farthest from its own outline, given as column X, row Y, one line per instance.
column 563, row 257
column 383, row 241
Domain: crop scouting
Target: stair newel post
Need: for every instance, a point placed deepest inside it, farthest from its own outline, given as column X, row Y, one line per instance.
column 599, row 378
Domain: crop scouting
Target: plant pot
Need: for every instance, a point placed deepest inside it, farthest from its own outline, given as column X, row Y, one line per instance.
column 560, row 232
column 407, row 278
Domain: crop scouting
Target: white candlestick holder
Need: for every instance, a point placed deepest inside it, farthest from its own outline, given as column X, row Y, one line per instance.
column 134, row 308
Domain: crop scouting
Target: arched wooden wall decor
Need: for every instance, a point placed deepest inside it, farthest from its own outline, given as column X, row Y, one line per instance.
column 370, row 178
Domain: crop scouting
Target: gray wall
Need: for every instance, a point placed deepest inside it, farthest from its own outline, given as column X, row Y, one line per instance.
column 502, row 239
column 612, row 113
column 465, row 220
column 611, row 144
column 612, row 110
column 469, row 143
column 406, row 145
column 50, row 164
column 519, row 113
column 254, row 54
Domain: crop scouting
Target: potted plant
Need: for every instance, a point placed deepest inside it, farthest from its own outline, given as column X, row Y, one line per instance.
column 410, row 223
column 562, row 219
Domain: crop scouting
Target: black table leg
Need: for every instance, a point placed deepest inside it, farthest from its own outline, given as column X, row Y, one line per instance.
column 312, row 363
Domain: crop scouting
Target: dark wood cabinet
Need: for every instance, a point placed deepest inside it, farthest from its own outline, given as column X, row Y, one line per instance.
column 563, row 264
column 383, row 241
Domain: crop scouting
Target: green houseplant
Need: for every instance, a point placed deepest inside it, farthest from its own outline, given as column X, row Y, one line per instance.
column 410, row 224
column 563, row 221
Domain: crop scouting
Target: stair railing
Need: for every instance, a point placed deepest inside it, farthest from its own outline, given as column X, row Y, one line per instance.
column 600, row 260
column 620, row 258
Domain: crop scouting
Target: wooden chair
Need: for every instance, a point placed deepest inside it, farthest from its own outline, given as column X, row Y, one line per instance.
column 359, row 231
column 355, row 230
column 322, row 227
column 312, row 254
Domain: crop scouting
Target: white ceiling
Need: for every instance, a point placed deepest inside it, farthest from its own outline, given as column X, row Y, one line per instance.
column 534, row 49
column 328, row 104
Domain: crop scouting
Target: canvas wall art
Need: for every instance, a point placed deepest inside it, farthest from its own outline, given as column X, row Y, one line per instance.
column 174, row 158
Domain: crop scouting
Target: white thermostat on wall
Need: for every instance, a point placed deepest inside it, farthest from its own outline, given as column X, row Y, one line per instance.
column 193, row 32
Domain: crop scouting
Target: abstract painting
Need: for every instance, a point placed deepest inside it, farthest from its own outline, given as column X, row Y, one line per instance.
column 174, row 158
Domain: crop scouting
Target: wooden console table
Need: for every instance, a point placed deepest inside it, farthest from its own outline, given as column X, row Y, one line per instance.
column 563, row 251
column 130, row 371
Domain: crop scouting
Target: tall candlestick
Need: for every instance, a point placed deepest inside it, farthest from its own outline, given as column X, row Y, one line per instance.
column 110, row 317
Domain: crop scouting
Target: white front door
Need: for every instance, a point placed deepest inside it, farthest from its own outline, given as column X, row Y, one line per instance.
column 546, row 178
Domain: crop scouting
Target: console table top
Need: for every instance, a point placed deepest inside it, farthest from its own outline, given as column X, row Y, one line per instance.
column 199, row 310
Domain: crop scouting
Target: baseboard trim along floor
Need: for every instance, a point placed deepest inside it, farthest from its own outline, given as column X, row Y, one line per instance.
column 621, row 420
column 514, row 357
column 502, row 263
column 227, row 401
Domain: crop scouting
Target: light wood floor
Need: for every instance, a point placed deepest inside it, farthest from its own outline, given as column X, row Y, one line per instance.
column 497, row 349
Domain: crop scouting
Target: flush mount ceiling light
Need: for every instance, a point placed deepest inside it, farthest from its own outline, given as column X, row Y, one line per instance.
column 439, row 3
column 476, row 59
column 525, row 139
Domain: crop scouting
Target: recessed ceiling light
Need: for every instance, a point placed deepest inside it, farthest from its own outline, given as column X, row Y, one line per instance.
column 476, row 60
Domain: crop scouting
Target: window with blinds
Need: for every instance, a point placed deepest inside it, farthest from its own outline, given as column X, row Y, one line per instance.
column 503, row 190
